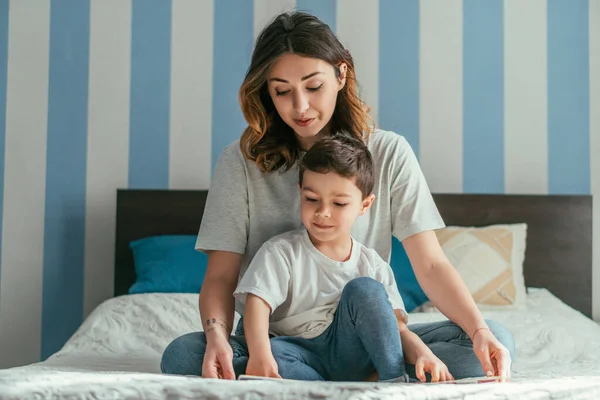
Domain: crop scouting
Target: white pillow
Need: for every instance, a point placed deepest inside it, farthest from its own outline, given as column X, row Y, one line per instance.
column 490, row 261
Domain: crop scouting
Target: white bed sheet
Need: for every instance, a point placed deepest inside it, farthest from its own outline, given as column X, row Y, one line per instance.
column 116, row 353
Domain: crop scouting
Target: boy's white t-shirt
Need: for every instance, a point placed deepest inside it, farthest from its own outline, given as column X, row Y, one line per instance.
column 246, row 207
column 303, row 286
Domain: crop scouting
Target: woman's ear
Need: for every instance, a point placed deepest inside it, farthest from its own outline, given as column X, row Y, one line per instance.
column 343, row 68
column 366, row 203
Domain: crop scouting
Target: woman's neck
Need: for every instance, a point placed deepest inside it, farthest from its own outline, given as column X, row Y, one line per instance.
column 307, row 142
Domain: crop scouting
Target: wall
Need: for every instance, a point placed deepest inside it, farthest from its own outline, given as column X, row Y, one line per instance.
column 495, row 97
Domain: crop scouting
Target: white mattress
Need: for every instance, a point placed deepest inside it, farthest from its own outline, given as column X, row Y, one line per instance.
column 116, row 354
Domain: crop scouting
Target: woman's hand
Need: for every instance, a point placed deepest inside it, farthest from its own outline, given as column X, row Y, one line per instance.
column 494, row 357
column 218, row 359
column 262, row 365
column 436, row 368
column 217, row 302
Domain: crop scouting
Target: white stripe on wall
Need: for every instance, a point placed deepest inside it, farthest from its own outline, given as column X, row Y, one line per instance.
column 525, row 97
column 363, row 44
column 595, row 147
column 191, row 95
column 25, row 183
column 108, row 141
column 266, row 10
column 441, row 93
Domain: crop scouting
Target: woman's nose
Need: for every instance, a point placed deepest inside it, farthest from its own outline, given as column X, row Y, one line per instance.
column 300, row 102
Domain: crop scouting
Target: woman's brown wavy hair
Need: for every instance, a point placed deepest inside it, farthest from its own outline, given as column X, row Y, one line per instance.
column 268, row 140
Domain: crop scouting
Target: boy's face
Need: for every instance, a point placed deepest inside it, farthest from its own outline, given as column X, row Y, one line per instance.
column 330, row 204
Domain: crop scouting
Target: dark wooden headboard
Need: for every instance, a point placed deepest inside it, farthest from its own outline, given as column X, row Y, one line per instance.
column 558, row 255
column 559, row 234
column 143, row 213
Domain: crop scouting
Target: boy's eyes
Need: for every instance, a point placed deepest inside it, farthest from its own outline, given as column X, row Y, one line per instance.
column 313, row 200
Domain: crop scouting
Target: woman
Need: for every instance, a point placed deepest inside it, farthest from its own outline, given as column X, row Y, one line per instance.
column 300, row 87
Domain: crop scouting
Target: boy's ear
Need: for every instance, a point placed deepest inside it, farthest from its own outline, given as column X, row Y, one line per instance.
column 366, row 203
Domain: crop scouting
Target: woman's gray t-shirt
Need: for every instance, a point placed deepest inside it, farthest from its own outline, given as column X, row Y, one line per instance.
column 246, row 207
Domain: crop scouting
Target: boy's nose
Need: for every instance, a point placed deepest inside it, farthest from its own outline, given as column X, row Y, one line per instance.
column 323, row 212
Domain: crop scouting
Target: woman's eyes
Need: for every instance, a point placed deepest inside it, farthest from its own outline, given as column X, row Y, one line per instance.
column 310, row 89
column 310, row 199
column 341, row 204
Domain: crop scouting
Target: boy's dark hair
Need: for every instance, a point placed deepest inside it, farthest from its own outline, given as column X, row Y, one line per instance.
column 344, row 155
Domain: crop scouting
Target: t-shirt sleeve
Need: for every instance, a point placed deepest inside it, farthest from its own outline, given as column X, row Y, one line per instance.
column 412, row 206
column 384, row 274
column 267, row 276
column 224, row 224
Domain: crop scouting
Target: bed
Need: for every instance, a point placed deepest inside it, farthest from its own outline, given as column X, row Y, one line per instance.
column 116, row 351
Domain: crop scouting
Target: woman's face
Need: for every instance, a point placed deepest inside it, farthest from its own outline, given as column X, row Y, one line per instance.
column 304, row 91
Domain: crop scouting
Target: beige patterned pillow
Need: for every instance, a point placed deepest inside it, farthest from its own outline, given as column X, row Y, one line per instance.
column 490, row 261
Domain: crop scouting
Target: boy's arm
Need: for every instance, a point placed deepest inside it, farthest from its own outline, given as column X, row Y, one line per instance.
column 256, row 325
column 412, row 345
column 263, row 288
column 256, row 330
column 417, row 353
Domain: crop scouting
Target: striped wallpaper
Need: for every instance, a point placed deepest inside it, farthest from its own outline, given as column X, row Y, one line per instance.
column 496, row 96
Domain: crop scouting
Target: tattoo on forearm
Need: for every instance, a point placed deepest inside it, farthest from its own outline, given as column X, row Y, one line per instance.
column 213, row 323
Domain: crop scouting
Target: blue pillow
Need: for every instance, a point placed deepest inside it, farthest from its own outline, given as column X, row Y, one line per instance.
column 408, row 286
column 167, row 264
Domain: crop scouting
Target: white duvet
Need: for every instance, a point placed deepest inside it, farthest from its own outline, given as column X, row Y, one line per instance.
column 116, row 354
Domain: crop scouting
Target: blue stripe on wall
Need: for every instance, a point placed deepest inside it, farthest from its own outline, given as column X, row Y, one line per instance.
column 568, row 97
column 3, row 77
column 150, row 94
column 399, row 68
column 64, row 228
column 325, row 10
column 233, row 33
column 483, row 96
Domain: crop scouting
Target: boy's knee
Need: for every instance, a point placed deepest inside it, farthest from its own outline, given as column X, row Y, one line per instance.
column 363, row 286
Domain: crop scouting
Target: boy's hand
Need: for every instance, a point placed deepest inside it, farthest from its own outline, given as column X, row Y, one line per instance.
column 436, row 368
column 262, row 365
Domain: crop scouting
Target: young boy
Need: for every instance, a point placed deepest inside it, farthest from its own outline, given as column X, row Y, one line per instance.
column 331, row 304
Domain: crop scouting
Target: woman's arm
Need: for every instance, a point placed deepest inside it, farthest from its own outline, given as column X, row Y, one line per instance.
column 440, row 281
column 447, row 291
column 216, row 295
column 217, row 311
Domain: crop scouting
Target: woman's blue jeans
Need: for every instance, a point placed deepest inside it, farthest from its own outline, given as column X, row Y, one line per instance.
column 363, row 337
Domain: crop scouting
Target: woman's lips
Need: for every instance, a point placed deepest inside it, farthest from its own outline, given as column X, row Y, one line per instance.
column 304, row 122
